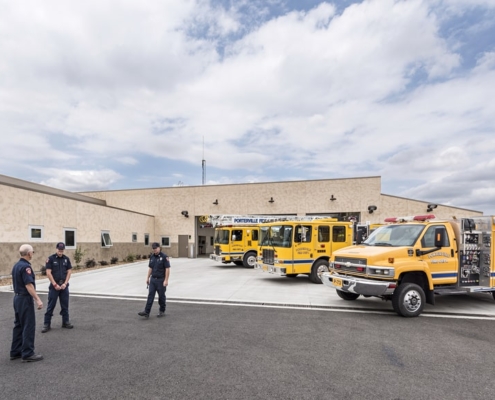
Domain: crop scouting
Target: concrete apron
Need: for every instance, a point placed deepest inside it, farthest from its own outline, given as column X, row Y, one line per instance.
column 206, row 281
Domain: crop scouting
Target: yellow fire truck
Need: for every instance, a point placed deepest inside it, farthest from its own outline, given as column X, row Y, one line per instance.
column 415, row 258
column 302, row 245
column 236, row 238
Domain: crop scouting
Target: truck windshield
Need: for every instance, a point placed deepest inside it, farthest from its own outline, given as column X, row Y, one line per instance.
column 395, row 235
column 222, row 236
column 276, row 236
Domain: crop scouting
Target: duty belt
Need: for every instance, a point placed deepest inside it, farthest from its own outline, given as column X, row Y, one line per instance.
column 158, row 277
column 22, row 294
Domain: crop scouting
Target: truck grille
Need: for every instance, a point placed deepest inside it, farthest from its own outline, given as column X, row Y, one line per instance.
column 217, row 250
column 268, row 256
column 346, row 264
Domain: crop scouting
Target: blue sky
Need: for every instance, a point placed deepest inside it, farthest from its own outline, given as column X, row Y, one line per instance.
column 124, row 94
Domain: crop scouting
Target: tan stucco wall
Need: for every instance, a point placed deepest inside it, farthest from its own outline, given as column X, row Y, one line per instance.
column 301, row 198
column 20, row 209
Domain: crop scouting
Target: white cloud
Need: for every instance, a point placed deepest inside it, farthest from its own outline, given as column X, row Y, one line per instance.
column 80, row 180
column 373, row 90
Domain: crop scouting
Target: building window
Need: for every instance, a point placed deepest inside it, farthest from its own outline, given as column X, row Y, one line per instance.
column 70, row 238
column 35, row 232
column 146, row 239
column 134, row 237
column 105, row 239
column 165, row 241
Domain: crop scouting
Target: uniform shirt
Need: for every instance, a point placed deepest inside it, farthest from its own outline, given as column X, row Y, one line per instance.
column 22, row 275
column 158, row 263
column 59, row 266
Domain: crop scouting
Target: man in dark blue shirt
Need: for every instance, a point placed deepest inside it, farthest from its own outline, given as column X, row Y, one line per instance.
column 24, row 298
column 58, row 271
column 157, row 280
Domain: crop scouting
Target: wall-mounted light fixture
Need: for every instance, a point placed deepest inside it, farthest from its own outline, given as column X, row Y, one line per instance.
column 185, row 214
column 332, row 198
column 371, row 209
column 271, row 200
column 431, row 207
column 216, row 202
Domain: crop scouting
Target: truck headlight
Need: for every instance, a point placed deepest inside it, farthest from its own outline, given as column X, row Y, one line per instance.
column 381, row 271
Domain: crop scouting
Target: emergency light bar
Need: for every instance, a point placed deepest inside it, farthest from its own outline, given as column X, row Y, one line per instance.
column 411, row 218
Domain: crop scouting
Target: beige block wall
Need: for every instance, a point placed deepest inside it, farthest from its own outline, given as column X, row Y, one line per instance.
column 299, row 197
column 21, row 208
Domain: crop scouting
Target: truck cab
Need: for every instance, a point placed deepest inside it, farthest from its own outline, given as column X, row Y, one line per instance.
column 236, row 244
column 301, row 246
column 411, row 259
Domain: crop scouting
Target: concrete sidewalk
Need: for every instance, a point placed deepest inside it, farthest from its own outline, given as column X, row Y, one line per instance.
column 205, row 280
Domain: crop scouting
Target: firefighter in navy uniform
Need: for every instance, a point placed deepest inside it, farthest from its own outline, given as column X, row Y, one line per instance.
column 24, row 297
column 157, row 280
column 58, row 271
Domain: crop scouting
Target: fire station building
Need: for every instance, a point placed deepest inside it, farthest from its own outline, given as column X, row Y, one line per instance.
column 118, row 223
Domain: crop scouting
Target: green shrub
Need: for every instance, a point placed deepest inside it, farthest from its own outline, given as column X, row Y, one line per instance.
column 114, row 260
column 78, row 255
column 90, row 263
column 103, row 262
column 130, row 258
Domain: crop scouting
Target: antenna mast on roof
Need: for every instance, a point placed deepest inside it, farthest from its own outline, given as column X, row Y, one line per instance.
column 204, row 162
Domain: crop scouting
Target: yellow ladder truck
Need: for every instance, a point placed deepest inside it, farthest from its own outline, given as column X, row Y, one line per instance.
column 236, row 238
column 412, row 259
column 301, row 245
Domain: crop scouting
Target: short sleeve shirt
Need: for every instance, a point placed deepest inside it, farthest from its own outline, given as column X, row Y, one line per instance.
column 59, row 266
column 22, row 275
column 158, row 264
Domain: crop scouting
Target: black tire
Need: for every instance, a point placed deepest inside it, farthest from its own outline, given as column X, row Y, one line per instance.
column 493, row 294
column 239, row 263
column 347, row 295
column 318, row 266
column 249, row 259
column 408, row 300
column 291, row 275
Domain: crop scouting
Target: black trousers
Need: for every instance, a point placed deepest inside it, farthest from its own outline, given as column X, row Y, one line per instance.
column 53, row 295
column 24, row 327
column 156, row 285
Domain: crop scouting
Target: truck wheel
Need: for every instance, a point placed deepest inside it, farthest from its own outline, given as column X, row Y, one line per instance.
column 408, row 300
column 347, row 295
column 249, row 259
column 239, row 263
column 317, row 268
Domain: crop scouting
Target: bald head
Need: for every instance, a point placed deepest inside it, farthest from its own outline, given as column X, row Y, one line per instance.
column 25, row 249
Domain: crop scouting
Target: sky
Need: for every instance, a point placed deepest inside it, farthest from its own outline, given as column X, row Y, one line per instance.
column 120, row 94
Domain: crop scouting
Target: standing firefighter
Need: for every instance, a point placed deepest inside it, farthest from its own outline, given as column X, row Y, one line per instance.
column 25, row 320
column 58, row 271
column 157, row 280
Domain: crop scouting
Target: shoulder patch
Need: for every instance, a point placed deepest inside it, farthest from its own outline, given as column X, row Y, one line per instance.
column 28, row 270
column 48, row 259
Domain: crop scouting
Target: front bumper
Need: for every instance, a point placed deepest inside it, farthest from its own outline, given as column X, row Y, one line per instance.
column 365, row 287
column 221, row 259
column 272, row 269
